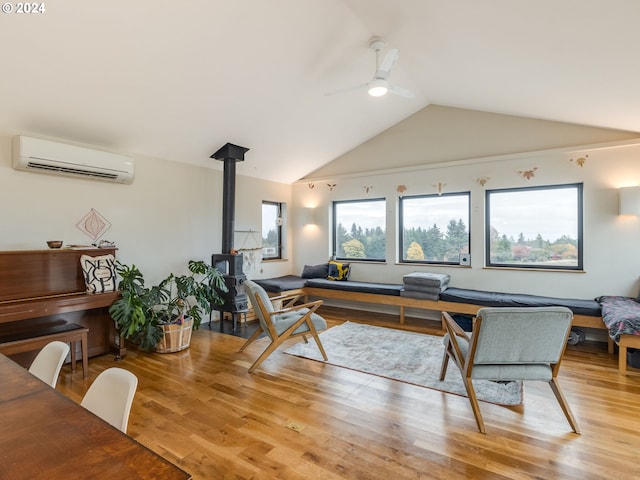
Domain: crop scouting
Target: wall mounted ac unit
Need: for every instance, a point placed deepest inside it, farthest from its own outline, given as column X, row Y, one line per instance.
column 44, row 156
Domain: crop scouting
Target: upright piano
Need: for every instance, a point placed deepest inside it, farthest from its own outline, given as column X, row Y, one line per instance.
column 41, row 288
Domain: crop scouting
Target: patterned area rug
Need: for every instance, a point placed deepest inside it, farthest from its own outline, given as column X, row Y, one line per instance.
column 405, row 356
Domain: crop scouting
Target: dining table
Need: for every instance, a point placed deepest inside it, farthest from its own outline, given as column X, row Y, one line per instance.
column 45, row 435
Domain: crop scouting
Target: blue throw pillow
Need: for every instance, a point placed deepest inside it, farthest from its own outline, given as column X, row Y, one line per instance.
column 315, row 271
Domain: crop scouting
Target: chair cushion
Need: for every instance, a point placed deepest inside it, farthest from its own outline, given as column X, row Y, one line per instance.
column 536, row 371
column 525, row 335
column 285, row 320
column 258, row 292
column 531, row 371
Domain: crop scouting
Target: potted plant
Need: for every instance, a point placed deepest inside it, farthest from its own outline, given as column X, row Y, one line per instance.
column 161, row 317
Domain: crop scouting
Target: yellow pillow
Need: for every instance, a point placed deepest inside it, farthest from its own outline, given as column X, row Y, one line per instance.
column 338, row 271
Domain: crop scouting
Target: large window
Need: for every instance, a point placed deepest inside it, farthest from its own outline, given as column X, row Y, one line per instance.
column 535, row 227
column 434, row 228
column 359, row 230
column 272, row 214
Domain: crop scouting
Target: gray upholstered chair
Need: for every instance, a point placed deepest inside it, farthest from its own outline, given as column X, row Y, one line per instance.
column 282, row 323
column 525, row 343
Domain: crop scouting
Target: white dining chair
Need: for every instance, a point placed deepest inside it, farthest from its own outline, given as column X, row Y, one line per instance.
column 48, row 362
column 110, row 396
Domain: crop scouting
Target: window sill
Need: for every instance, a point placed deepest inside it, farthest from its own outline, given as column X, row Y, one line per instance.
column 274, row 260
column 534, row 269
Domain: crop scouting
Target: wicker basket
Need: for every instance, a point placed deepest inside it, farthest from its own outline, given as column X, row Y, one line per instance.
column 176, row 337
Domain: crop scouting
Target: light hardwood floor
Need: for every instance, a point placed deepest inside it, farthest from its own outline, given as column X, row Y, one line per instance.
column 203, row 411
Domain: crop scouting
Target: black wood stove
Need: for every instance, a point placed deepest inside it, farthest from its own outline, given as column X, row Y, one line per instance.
column 230, row 263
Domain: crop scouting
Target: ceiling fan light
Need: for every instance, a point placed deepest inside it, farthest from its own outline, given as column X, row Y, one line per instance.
column 377, row 88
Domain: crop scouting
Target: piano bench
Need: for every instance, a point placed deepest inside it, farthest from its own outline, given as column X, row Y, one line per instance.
column 36, row 338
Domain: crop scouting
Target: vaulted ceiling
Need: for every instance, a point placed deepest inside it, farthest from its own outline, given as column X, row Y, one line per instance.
column 177, row 80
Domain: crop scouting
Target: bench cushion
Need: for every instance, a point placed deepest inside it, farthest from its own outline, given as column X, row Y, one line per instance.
column 426, row 279
column 353, row 286
column 498, row 299
column 40, row 332
column 282, row 284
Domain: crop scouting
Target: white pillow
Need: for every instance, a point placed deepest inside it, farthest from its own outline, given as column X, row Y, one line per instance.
column 99, row 273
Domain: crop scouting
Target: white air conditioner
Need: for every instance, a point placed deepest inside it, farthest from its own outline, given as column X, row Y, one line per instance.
column 44, row 156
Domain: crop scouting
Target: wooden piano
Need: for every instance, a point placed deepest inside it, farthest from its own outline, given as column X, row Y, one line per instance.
column 43, row 288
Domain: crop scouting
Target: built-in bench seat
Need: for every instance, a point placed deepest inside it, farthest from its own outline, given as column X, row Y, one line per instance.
column 587, row 313
column 354, row 286
column 589, row 308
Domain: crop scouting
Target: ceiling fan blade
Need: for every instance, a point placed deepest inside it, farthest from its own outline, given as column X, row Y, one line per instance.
column 401, row 91
column 346, row 89
column 387, row 64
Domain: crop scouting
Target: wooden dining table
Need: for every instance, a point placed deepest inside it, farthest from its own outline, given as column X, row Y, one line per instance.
column 45, row 435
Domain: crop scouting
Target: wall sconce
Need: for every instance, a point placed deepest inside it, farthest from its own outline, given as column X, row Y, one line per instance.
column 629, row 198
column 308, row 216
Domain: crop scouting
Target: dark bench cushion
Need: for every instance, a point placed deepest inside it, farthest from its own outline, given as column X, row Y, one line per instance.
column 282, row 284
column 498, row 299
column 353, row 286
column 39, row 332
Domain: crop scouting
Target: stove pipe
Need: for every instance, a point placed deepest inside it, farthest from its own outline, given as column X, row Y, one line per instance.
column 229, row 154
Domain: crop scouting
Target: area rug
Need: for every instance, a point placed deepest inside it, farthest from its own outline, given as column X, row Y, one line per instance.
column 404, row 356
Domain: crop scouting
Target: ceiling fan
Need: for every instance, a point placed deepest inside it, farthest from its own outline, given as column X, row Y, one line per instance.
column 379, row 84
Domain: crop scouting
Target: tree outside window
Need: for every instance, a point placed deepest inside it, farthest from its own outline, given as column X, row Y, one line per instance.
column 434, row 228
column 535, row 227
column 359, row 229
column 271, row 230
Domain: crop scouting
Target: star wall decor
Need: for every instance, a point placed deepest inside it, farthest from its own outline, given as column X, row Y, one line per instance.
column 440, row 187
column 482, row 181
column 528, row 174
column 580, row 161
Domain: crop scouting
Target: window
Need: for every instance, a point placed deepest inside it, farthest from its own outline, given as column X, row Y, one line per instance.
column 272, row 215
column 359, row 230
column 434, row 228
column 535, row 227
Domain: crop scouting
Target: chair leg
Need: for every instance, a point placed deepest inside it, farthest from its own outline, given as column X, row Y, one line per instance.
column 320, row 347
column 445, row 363
column 263, row 356
column 252, row 338
column 84, row 348
column 471, row 393
column 557, row 391
column 73, row 355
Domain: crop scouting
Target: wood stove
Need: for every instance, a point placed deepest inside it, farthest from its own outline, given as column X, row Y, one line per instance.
column 229, row 262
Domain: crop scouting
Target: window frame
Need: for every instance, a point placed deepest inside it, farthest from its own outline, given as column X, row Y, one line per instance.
column 279, row 246
column 401, row 226
column 334, row 232
column 580, row 228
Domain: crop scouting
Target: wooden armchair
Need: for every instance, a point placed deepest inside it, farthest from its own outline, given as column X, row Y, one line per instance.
column 288, row 321
column 510, row 344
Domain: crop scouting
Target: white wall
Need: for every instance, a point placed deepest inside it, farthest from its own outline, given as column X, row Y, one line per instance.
column 171, row 213
column 250, row 193
column 611, row 256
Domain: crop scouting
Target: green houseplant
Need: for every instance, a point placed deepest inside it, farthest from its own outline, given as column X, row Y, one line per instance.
column 144, row 314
